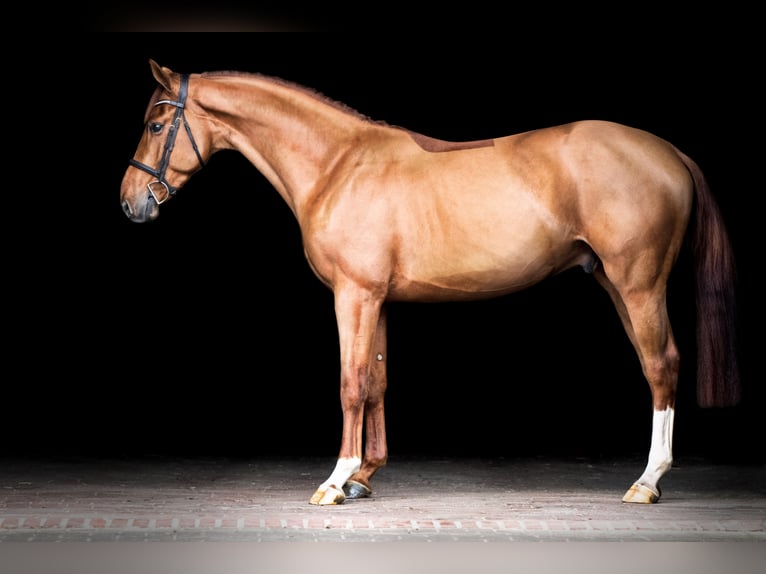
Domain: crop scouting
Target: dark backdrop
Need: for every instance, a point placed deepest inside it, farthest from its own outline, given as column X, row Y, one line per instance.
column 205, row 332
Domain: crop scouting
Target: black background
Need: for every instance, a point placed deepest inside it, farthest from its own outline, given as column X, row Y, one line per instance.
column 205, row 332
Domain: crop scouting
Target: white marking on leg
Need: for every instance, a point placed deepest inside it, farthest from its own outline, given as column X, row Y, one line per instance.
column 661, row 450
column 344, row 468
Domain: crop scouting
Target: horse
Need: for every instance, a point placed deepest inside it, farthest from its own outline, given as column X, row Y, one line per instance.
column 387, row 214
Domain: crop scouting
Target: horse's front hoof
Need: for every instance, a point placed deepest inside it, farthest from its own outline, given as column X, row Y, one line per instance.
column 354, row 489
column 326, row 496
column 640, row 494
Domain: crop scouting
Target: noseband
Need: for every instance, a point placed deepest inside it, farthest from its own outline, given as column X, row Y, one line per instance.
column 163, row 193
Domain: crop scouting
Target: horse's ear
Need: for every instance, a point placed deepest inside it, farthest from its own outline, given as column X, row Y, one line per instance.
column 162, row 75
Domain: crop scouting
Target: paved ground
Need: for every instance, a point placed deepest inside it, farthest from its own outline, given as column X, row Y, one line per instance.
column 451, row 499
column 265, row 501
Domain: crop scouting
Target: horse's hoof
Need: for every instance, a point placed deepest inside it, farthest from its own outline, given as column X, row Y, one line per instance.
column 326, row 496
column 640, row 494
column 354, row 489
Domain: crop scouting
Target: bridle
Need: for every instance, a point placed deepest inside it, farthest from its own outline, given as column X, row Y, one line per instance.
column 160, row 189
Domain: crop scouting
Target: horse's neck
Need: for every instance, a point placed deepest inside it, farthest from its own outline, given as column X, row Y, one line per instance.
column 291, row 137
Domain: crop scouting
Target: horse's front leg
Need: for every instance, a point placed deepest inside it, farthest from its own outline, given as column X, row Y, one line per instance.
column 375, row 447
column 357, row 312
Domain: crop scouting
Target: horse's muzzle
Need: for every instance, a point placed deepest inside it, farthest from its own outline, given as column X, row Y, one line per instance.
column 142, row 212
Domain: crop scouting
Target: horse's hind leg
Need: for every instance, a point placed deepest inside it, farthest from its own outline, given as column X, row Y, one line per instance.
column 645, row 319
column 376, row 449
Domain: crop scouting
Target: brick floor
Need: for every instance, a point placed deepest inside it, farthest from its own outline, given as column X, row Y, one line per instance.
column 423, row 500
column 115, row 516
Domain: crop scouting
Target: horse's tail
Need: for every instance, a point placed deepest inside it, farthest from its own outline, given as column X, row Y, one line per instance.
column 718, row 381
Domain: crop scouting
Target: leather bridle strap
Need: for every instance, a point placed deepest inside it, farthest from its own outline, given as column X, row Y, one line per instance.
column 179, row 116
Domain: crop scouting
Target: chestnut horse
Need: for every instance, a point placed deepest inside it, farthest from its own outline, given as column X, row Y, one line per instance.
column 387, row 214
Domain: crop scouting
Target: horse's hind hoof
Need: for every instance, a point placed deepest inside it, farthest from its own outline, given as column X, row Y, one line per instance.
column 353, row 489
column 640, row 494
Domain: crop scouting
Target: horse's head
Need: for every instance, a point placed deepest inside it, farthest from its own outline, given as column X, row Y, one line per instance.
column 165, row 159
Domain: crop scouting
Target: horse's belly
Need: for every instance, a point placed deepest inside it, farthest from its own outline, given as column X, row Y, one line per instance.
column 481, row 253
column 479, row 275
column 470, row 286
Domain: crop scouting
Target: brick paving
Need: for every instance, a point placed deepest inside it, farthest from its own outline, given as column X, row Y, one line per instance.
column 429, row 516
column 434, row 499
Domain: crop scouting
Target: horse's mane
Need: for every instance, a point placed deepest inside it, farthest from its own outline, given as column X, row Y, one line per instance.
column 426, row 142
column 298, row 87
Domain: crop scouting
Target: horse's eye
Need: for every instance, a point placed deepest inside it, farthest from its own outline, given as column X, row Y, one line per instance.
column 155, row 128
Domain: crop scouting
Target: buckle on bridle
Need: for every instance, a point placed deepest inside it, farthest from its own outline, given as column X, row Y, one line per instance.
column 162, row 194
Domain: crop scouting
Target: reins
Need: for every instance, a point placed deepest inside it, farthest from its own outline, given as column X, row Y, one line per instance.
column 164, row 193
